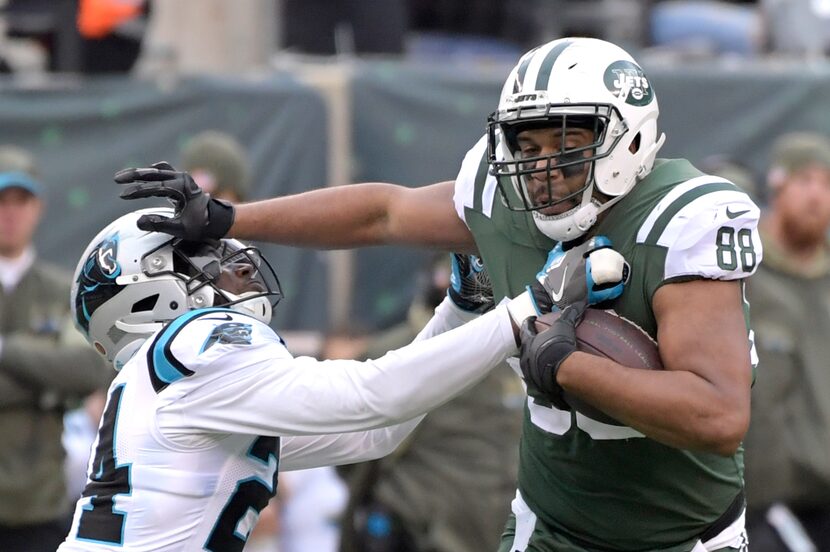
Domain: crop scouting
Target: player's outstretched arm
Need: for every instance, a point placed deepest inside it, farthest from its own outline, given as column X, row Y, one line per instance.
column 470, row 295
column 329, row 218
column 358, row 215
column 303, row 452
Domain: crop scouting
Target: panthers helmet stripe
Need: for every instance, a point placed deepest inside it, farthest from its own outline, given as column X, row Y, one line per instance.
column 545, row 68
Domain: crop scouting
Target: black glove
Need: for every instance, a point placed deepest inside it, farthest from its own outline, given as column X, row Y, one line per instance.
column 592, row 272
column 198, row 217
column 543, row 353
column 470, row 287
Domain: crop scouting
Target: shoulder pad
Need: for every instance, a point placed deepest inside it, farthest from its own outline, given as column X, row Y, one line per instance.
column 191, row 343
column 475, row 187
column 710, row 228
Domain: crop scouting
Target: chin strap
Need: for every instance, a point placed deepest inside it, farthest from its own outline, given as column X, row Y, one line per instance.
column 141, row 332
column 257, row 306
column 586, row 216
column 146, row 328
column 127, row 352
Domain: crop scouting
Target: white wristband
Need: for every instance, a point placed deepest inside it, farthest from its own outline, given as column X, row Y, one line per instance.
column 521, row 307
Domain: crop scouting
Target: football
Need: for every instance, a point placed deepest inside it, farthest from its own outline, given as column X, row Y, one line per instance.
column 607, row 334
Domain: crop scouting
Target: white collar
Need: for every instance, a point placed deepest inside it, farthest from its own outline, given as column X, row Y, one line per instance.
column 12, row 270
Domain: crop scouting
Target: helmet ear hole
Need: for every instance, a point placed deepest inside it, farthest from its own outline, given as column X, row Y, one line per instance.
column 146, row 304
column 634, row 147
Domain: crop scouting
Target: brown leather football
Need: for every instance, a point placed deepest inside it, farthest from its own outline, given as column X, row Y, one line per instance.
column 606, row 334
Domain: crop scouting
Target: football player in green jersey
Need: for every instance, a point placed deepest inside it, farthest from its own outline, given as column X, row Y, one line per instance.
column 570, row 154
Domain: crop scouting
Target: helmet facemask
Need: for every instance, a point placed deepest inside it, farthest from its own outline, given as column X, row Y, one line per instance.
column 543, row 182
column 223, row 274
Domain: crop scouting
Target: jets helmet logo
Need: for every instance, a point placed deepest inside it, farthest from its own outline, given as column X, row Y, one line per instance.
column 625, row 80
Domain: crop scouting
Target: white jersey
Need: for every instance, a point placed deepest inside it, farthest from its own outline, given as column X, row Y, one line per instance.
column 199, row 421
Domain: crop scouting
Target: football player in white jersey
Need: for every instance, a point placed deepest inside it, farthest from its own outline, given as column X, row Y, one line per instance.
column 208, row 403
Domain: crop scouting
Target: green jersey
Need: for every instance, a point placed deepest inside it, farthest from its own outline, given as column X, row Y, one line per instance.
column 610, row 487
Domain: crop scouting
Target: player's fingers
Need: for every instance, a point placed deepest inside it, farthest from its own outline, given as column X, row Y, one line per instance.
column 151, row 189
column 125, row 176
column 573, row 313
column 158, row 223
column 170, row 226
column 528, row 330
column 163, row 166
column 150, row 223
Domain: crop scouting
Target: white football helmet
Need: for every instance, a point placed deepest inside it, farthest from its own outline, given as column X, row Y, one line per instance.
column 587, row 83
column 129, row 283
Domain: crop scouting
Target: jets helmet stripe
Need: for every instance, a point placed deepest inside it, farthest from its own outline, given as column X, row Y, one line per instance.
column 545, row 68
column 520, row 73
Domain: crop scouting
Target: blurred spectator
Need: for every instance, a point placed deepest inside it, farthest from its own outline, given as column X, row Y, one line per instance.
column 322, row 27
column 44, row 366
column 80, row 428
column 312, row 504
column 447, row 488
column 709, row 26
column 489, row 29
column 618, row 21
column 798, row 27
column 472, row 17
column 344, row 342
column 788, row 444
column 735, row 172
column 219, row 165
column 111, row 34
column 265, row 535
column 87, row 36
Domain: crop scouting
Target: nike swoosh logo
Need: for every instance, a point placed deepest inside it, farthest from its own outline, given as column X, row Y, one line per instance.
column 224, row 317
column 557, row 295
column 735, row 214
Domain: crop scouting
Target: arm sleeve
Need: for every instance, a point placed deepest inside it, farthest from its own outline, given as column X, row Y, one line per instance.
column 447, row 316
column 304, row 396
column 302, row 452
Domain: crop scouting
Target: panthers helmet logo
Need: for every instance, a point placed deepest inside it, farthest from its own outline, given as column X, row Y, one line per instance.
column 96, row 282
